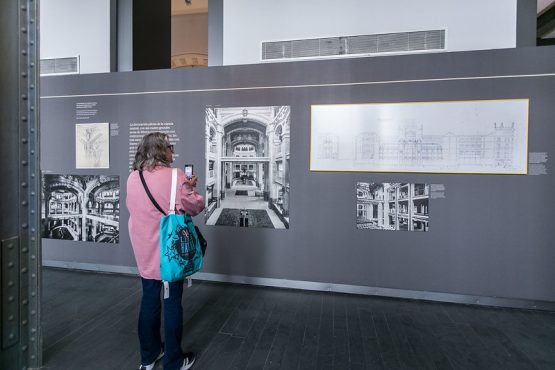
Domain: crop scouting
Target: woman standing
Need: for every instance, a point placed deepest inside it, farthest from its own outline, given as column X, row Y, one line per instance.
column 154, row 157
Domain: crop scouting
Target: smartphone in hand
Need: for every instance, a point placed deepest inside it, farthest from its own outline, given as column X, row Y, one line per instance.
column 189, row 171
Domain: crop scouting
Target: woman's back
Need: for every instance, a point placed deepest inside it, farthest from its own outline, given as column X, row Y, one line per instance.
column 144, row 218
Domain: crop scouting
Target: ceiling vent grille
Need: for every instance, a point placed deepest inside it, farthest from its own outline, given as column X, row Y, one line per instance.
column 401, row 42
column 59, row 66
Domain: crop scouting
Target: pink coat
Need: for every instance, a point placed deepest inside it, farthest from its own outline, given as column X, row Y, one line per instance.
column 144, row 218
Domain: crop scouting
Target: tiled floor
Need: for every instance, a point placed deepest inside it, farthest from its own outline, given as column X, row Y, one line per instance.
column 244, row 202
column 89, row 322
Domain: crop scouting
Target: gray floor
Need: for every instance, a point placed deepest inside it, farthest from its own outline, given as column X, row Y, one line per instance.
column 89, row 322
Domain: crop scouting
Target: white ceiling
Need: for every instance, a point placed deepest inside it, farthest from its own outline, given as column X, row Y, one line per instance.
column 201, row 6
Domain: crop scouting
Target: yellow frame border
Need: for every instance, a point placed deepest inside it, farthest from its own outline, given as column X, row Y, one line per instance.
column 427, row 172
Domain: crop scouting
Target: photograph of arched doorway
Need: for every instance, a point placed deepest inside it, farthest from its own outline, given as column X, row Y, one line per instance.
column 247, row 166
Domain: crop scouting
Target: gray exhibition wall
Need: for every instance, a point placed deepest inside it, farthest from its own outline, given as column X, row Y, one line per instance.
column 492, row 235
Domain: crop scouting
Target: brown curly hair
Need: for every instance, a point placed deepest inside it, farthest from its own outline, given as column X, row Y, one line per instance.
column 152, row 152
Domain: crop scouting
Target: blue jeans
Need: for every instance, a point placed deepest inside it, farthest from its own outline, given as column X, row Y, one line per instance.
column 149, row 324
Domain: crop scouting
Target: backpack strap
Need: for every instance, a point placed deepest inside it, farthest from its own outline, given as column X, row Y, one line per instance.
column 150, row 195
column 172, row 196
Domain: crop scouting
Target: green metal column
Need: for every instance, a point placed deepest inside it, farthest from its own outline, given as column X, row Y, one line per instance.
column 21, row 342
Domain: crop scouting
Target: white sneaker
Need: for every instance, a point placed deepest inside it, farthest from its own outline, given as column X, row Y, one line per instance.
column 151, row 366
column 188, row 361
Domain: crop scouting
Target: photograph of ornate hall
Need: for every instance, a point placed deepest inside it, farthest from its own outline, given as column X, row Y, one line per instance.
column 81, row 207
column 247, row 166
column 393, row 206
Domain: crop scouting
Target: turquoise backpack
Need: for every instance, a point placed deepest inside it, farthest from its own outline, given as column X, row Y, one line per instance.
column 180, row 250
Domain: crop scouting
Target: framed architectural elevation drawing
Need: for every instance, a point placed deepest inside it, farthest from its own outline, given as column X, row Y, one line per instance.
column 477, row 136
column 92, row 145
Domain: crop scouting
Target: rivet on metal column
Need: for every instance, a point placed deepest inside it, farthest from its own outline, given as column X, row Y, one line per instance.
column 29, row 269
column 10, row 289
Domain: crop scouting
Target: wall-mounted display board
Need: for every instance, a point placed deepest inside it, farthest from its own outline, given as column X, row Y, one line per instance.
column 81, row 208
column 489, row 136
column 247, row 131
column 247, row 166
column 92, row 145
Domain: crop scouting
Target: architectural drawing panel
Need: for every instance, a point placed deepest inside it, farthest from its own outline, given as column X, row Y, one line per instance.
column 92, row 145
column 471, row 136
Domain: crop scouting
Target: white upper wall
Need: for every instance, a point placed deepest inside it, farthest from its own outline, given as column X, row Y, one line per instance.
column 70, row 28
column 469, row 24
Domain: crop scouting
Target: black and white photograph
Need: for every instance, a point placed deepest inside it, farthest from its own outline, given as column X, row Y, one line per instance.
column 92, row 145
column 81, row 208
column 247, row 166
column 393, row 206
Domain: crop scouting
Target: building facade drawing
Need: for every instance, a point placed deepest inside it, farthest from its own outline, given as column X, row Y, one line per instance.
column 81, row 207
column 412, row 147
column 329, row 147
column 393, row 206
column 475, row 136
column 247, row 164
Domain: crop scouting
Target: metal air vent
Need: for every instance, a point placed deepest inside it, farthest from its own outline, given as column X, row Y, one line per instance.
column 59, row 66
column 401, row 42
